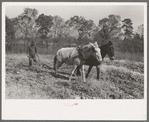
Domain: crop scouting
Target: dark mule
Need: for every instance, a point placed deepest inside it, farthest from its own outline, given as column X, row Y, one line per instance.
column 72, row 56
column 106, row 49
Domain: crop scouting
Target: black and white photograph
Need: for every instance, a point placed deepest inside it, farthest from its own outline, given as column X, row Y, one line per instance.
column 68, row 54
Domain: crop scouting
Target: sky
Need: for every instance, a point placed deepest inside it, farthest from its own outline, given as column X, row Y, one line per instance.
column 94, row 12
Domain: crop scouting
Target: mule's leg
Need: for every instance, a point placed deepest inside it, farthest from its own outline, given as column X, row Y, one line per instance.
column 78, row 73
column 30, row 62
column 83, row 73
column 74, row 68
column 98, row 71
column 89, row 69
column 57, row 65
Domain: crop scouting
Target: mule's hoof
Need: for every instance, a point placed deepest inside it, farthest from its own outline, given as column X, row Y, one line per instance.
column 84, row 81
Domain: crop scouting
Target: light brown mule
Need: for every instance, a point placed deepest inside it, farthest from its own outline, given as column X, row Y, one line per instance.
column 71, row 56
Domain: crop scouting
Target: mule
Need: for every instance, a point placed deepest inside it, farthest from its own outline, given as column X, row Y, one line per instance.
column 72, row 56
column 106, row 49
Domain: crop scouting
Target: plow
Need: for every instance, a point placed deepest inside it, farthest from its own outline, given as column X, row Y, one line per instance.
column 39, row 63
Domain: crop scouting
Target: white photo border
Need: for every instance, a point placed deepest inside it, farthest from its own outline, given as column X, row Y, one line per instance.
column 41, row 109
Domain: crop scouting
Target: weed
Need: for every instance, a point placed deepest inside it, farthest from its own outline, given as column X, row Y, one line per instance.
column 119, row 79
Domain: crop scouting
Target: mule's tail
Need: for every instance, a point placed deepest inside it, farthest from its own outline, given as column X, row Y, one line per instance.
column 54, row 62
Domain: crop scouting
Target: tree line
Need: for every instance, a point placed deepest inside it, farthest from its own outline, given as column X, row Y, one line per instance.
column 54, row 30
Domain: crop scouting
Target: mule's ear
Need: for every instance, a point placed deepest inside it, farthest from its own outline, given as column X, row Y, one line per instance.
column 92, row 44
column 96, row 44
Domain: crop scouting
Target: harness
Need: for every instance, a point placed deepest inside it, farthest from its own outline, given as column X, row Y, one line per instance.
column 80, row 51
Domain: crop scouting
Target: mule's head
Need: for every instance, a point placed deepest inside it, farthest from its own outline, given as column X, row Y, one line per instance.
column 96, row 52
column 110, row 50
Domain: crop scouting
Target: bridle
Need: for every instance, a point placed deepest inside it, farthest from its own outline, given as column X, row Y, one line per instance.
column 109, row 53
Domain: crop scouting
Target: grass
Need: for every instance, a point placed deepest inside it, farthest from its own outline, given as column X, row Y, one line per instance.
column 119, row 79
column 137, row 57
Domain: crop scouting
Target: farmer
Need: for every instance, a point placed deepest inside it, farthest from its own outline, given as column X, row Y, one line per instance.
column 31, row 53
column 80, row 37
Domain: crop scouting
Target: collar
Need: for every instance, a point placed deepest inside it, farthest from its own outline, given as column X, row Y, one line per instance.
column 80, row 51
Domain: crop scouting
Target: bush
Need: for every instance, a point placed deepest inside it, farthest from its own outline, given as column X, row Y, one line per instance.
column 134, row 45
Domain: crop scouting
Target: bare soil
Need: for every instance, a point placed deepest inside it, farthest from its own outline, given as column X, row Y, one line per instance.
column 119, row 79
